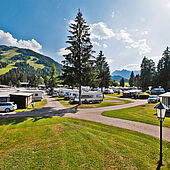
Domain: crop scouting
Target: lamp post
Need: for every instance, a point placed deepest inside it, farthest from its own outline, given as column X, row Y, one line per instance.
column 160, row 110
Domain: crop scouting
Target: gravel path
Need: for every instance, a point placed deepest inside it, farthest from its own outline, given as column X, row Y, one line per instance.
column 55, row 108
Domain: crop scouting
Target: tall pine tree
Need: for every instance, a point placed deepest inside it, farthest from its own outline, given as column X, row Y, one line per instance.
column 104, row 71
column 163, row 68
column 147, row 73
column 75, row 64
column 131, row 79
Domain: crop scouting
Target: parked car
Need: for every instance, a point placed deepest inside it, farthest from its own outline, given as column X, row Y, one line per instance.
column 7, row 106
column 153, row 99
column 157, row 91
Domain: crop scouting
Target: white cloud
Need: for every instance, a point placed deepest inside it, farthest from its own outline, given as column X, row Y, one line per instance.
column 7, row 39
column 109, row 60
column 144, row 33
column 100, row 31
column 131, row 67
column 142, row 19
column 142, row 46
column 156, row 58
column 113, row 14
column 124, row 36
column 71, row 22
column 104, row 45
column 63, row 51
column 128, row 46
column 95, row 43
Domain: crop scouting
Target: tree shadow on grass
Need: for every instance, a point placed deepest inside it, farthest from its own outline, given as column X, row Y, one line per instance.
column 37, row 114
column 16, row 120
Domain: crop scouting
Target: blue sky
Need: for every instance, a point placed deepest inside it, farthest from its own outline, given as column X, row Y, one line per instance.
column 125, row 30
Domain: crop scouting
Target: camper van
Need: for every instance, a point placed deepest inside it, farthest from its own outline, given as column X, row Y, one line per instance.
column 38, row 95
column 71, row 94
column 89, row 97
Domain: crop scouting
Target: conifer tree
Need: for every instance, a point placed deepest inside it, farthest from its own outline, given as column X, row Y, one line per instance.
column 131, row 79
column 18, row 83
column 80, row 51
column 104, row 71
column 147, row 73
column 122, row 82
column 163, row 68
column 53, row 80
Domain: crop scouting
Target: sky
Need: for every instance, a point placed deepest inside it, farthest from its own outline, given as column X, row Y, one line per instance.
column 125, row 30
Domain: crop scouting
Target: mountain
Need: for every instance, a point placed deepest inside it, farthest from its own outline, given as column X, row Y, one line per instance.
column 124, row 73
column 118, row 78
column 26, row 61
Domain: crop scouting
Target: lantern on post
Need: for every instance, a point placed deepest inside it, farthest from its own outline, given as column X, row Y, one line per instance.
column 161, row 111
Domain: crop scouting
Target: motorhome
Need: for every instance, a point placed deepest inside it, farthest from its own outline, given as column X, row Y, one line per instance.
column 71, row 94
column 89, row 97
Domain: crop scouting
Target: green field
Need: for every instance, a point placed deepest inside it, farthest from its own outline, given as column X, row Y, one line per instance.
column 104, row 103
column 145, row 113
column 66, row 143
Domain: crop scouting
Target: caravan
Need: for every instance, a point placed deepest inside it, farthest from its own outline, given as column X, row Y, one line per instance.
column 38, row 95
column 89, row 97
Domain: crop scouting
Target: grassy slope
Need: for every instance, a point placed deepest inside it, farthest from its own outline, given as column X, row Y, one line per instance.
column 145, row 113
column 13, row 51
column 66, row 143
column 7, row 68
column 104, row 103
column 33, row 64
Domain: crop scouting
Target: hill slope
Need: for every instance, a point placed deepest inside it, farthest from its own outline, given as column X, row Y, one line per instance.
column 13, row 59
column 124, row 73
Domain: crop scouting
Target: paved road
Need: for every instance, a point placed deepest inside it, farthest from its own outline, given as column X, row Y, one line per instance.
column 55, row 108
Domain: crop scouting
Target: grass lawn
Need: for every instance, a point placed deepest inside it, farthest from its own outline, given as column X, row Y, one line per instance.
column 66, row 143
column 115, row 95
column 144, row 113
column 104, row 103
column 38, row 105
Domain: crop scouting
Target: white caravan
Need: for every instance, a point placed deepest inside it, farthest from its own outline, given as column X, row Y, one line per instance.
column 89, row 97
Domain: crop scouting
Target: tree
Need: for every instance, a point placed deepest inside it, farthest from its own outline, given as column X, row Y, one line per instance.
column 104, row 71
column 19, row 83
column 131, row 79
column 163, row 70
column 34, row 82
column 10, row 83
column 76, row 62
column 147, row 73
column 53, row 80
column 46, row 81
column 114, row 83
column 122, row 82
column 137, row 80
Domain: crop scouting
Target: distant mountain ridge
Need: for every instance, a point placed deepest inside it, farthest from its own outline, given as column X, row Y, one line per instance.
column 19, row 60
column 124, row 73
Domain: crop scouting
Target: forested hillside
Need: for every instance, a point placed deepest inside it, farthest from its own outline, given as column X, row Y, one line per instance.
column 17, row 63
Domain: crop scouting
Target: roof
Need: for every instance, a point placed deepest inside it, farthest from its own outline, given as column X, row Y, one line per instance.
column 167, row 94
column 22, row 94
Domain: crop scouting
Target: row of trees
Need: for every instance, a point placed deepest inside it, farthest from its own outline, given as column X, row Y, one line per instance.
column 80, row 67
column 151, row 75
